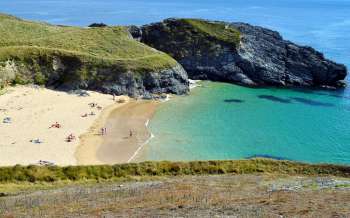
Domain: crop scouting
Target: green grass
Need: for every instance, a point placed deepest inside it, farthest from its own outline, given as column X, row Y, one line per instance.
column 33, row 46
column 218, row 30
column 17, row 179
column 106, row 172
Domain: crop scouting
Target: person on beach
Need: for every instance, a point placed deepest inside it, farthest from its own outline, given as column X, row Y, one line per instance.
column 130, row 133
column 56, row 125
column 113, row 97
column 70, row 138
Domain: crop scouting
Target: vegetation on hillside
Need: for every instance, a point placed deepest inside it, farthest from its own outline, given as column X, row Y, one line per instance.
column 253, row 195
column 218, row 30
column 33, row 46
column 184, row 39
column 104, row 172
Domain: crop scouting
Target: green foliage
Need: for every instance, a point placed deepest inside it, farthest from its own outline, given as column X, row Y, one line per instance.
column 218, row 30
column 147, row 169
column 39, row 78
column 19, row 80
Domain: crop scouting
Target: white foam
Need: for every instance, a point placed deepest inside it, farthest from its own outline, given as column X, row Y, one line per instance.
column 142, row 145
column 194, row 83
column 167, row 98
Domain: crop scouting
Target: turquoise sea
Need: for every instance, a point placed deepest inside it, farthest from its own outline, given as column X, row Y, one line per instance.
column 223, row 121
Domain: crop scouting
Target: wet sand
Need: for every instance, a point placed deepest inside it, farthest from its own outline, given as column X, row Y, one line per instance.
column 126, row 134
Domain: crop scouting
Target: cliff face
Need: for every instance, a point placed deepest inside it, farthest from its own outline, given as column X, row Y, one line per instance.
column 261, row 57
column 65, row 72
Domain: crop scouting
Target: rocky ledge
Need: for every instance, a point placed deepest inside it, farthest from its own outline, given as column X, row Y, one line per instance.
column 240, row 53
column 62, row 72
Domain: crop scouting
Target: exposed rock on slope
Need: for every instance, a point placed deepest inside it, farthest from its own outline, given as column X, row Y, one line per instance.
column 241, row 53
column 107, row 59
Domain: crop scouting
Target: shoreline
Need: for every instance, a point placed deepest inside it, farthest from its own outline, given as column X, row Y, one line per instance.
column 89, row 142
column 134, row 156
column 118, row 145
column 122, row 143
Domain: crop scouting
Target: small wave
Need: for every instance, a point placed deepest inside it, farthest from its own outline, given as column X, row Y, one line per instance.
column 194, row 83
column 166, row 99
column 143, row 144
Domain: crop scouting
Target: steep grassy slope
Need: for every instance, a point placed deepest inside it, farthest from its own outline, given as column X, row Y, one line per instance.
column 111, row 43
column 48, row 54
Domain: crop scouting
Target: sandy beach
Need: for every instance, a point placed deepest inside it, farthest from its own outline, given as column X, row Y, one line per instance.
column 27, row 113
column 125, row 137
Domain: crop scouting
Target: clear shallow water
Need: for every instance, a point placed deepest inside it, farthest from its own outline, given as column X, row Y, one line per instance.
column 312, row 127
column 222, row 121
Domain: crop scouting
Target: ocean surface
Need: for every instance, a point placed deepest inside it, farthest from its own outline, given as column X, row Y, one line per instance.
column 223, row 121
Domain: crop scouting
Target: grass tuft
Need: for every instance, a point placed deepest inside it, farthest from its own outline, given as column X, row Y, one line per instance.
column 165, row 168
column 218, row 30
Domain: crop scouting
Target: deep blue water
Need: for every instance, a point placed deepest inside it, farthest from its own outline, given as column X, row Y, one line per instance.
column 222, row 121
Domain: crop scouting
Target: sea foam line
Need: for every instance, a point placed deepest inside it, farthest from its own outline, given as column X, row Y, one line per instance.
column 194, row 83
column 143, row 144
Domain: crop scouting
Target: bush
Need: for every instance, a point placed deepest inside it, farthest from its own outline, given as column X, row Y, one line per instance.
column 39, row 79
column 19, row 80
column 165, row 168
column 98, row 25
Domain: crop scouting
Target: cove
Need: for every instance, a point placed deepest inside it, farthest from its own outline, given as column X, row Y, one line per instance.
column 224, row 121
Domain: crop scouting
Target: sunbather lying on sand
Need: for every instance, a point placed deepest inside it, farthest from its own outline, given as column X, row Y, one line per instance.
column 36, row 141
column 55, row 125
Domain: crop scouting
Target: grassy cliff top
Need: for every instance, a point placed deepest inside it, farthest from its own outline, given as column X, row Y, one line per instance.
column 218, row 30
column 20, row 38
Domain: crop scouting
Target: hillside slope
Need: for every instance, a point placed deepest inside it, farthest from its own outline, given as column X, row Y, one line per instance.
column 105, row 59
column 246, row 188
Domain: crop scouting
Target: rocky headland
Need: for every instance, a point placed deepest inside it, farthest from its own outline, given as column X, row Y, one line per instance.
column 241, row 53
column 158, row 58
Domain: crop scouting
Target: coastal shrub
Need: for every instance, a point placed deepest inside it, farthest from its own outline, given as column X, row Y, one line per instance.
column 39, row 78
column 106, row 172
column 97, row 25
column 19, row 80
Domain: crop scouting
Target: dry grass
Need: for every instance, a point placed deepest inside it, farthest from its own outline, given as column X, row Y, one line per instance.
column 190, row 196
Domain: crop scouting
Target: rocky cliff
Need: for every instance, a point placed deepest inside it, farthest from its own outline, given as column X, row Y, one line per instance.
column 240, row 53
column 69, row 73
